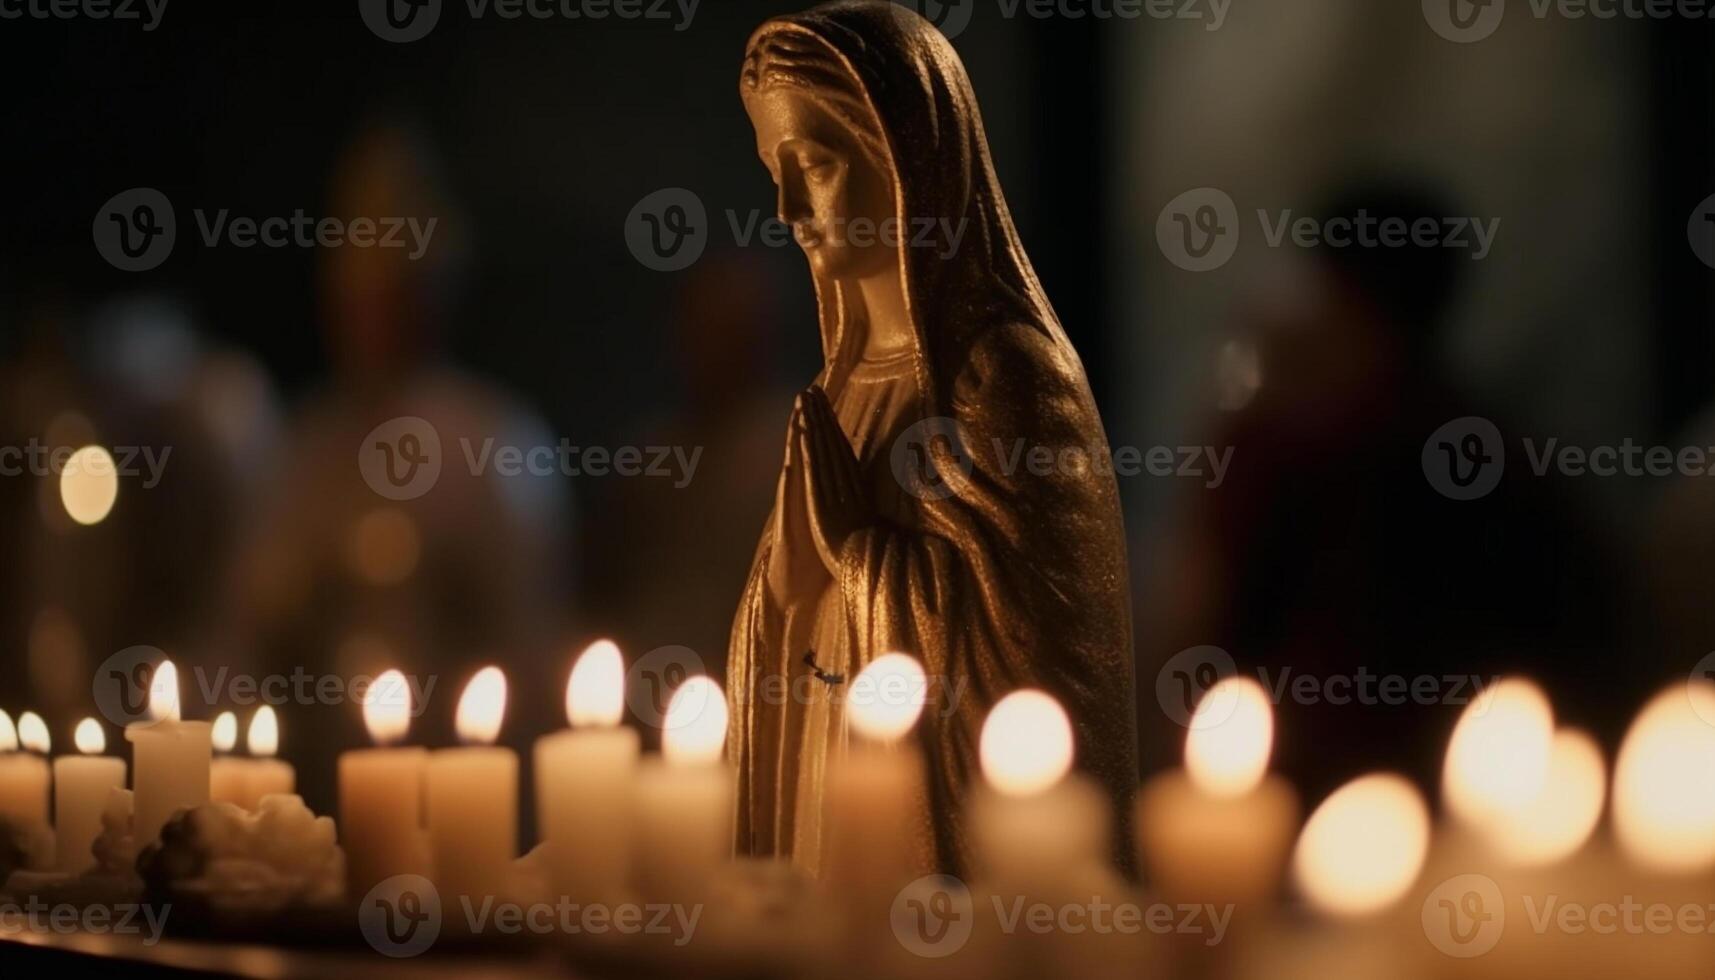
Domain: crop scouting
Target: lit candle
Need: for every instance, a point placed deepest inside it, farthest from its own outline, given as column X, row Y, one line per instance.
column 473, row 796
column 381, row 793
column 876, row 787
column 1497, row 759
column 1362, row 849
column 1664, row 783
column 266, row 775
column 24, row 775
column 171, row 758
column 1035, row 826
column 1219, row 830
column 684, row 798
column 82, row 785
column 585, row 778
column 226, row 773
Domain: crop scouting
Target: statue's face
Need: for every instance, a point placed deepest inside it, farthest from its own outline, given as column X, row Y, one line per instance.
column 838, row 203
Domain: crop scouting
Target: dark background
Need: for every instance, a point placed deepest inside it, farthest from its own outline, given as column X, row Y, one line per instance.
column 1592, row 141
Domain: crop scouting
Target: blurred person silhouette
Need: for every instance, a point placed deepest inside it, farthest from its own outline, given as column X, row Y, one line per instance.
column 184, row 424
column 349, row 575
column 668, row 560
column 1327, row 551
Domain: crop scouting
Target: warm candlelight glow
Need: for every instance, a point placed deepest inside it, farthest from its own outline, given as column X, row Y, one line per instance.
column 89, row 738
column 1026, row 743
column 89, row 485
column 264, row 740
column 694, row 731
column 482, row 708
column 164, row 693
column 33, row 733
column 1232, row 733
column 1497, row 760
column 1565, row 813
column 8, row 733
column 595, row 696
column 1664, row 781
column 387, row 709
column 887, row 697
column 1363, row 847
column 225, row 734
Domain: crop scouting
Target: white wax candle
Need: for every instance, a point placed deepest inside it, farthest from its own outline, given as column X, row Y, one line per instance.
column 1218, row 831
column 381, row 794
column 24, row 776
column 171, row 759
column 1035, row 828
column 472, row 795
column 684, row 798
column 585, row 783
column 82, row 785
column 876, row 787
column 265, row 775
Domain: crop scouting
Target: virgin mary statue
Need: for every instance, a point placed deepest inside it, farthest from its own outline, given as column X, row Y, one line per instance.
column 914, row 512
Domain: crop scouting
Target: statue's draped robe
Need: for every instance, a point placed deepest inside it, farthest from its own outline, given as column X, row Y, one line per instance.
column 997, row 572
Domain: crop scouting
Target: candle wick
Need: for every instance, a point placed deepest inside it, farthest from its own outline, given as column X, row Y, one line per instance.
column 822, row 675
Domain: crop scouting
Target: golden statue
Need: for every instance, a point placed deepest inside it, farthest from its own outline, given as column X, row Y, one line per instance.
column 913, row 512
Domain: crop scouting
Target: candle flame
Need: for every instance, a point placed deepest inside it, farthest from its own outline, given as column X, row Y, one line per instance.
column 164, row 693
column 1026, row 743
column 483, row 707
column 225, row 734
column 887, row 697
column 1565, row 813
column 89, row 738
column 1364, row 846
column 1664, row 782
column 595, row 695
column 387, row 708
column 33, row 733
column 694, row 730
column 1232, row 733
column 1497, row 760
column 264, row 740
column 89, row 485
column 8, row 733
